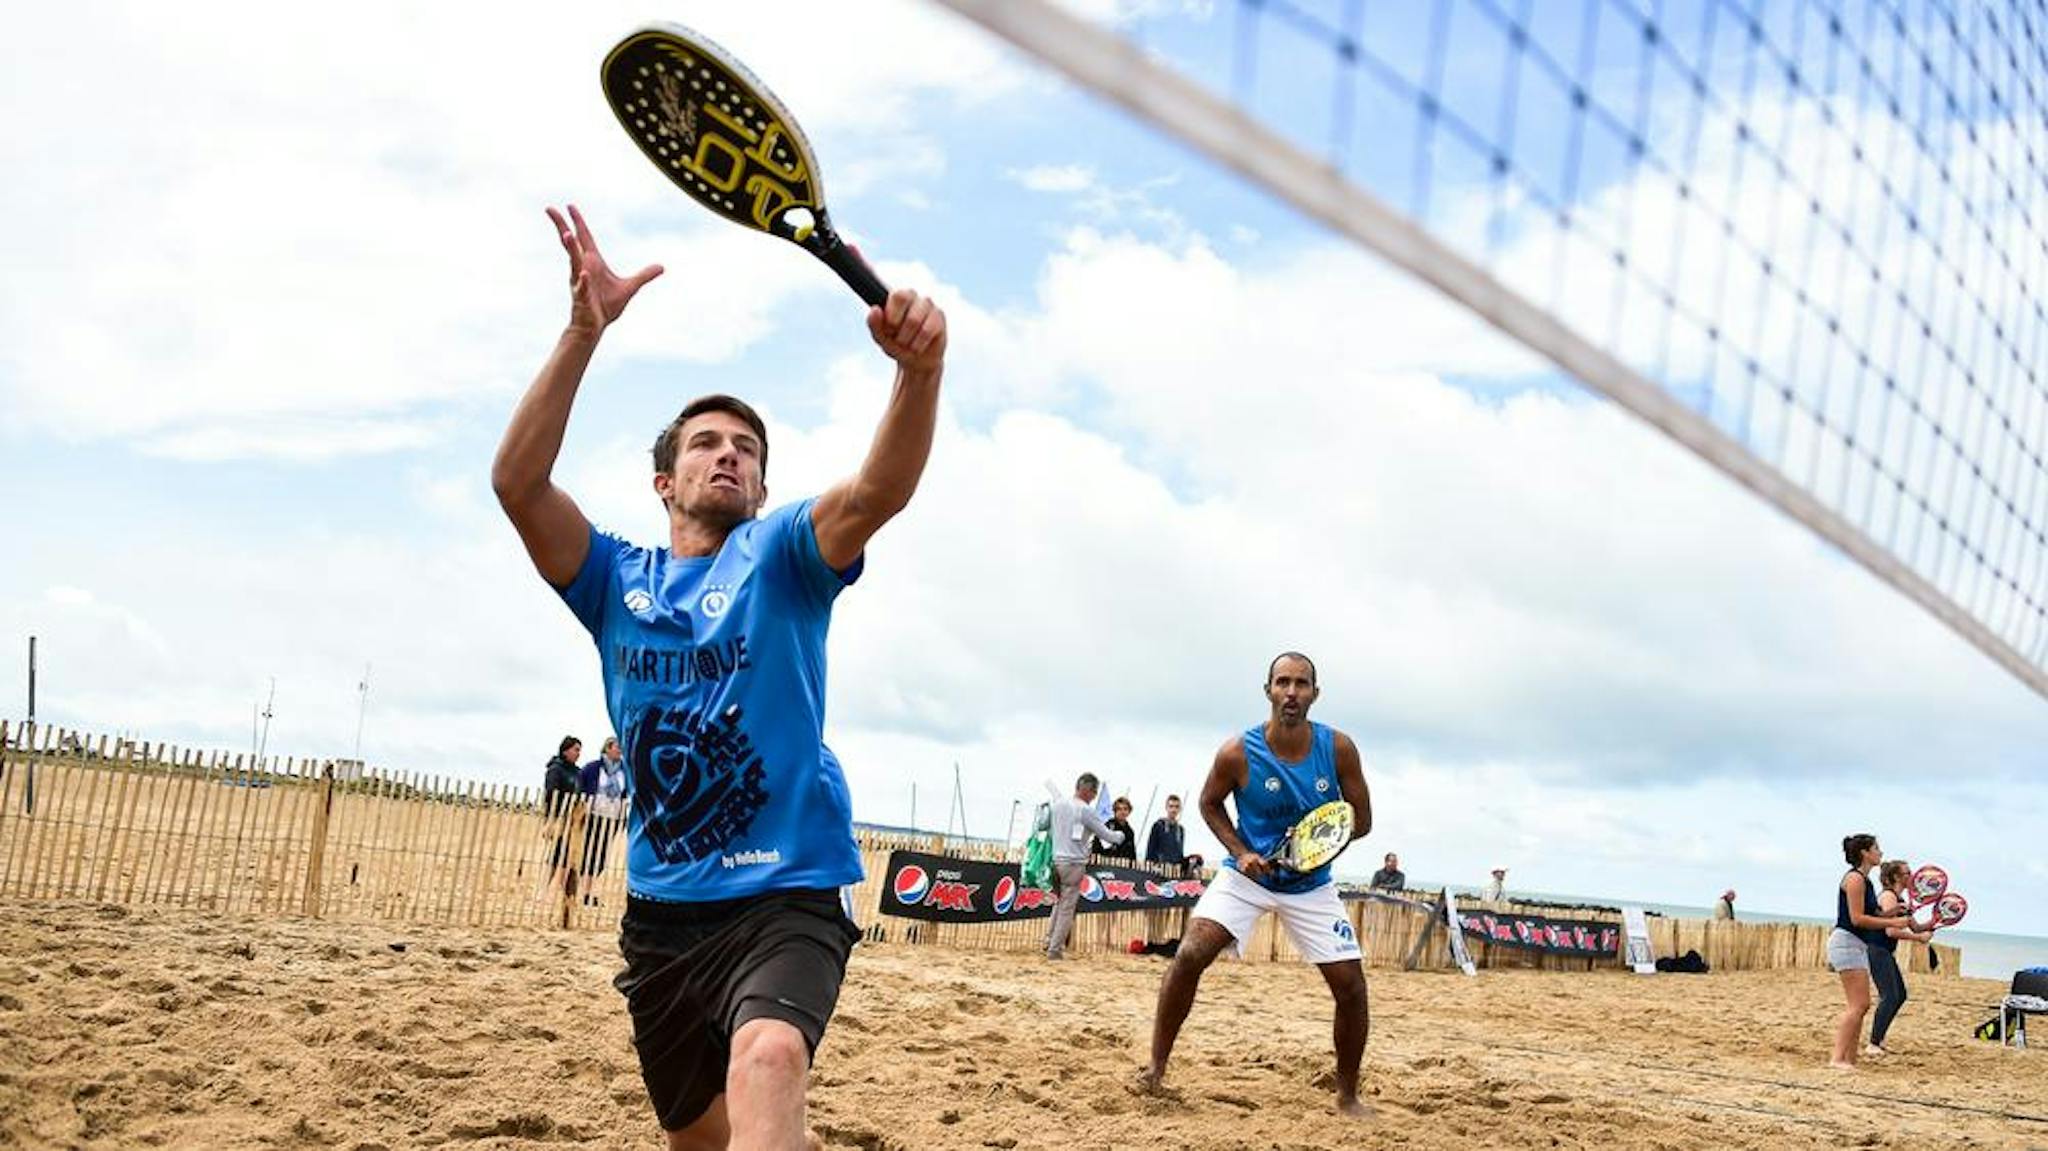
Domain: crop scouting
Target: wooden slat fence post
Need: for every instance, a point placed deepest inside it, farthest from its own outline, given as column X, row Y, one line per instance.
column 316, row 842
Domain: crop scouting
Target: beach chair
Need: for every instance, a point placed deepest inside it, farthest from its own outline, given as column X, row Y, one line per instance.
column 2029, row 996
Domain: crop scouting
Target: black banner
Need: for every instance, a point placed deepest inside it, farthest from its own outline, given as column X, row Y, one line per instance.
column 941, row 889
column 1536, row 933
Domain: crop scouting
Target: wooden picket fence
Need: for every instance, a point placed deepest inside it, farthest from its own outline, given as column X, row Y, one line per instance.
column 86, row 817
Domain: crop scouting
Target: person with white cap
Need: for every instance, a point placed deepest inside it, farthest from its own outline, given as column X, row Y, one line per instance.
column 1496, row 888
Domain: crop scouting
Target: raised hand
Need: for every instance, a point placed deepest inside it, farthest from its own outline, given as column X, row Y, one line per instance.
column 911, row 330
column 596, row 293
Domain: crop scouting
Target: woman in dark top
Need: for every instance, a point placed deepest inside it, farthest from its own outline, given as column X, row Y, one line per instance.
column 558, row 789
column 1858, row 924
column 1885, row 972
column 1119, row 820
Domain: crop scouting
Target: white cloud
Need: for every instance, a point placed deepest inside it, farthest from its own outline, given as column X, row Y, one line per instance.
column 294, row 251
column 1055, row 177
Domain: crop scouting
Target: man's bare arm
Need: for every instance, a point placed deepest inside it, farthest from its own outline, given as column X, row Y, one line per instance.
column 1351, row 784
column 553, row 528
column 1226, row 775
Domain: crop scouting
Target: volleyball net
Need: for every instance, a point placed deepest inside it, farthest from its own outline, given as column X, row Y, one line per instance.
column 1806, row 239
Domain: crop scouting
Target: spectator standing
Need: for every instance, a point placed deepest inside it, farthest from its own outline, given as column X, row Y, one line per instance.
column 558, row 791
column 603, row 782
column 1389, row 877
column 1125, row 848
column 1724, row 907
column 1167, row 842
column 1073, row 820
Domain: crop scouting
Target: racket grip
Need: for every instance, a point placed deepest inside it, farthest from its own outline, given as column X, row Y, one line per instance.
column 844, row 259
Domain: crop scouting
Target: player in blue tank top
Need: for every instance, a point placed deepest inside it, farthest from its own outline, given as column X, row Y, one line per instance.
column 712, row 647
column 1275, row 773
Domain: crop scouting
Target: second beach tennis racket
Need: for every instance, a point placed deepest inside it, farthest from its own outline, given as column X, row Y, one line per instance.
column 1929, row 888
column 721, row 136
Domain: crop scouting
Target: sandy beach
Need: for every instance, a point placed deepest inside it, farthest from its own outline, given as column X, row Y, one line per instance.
column 156, row 1027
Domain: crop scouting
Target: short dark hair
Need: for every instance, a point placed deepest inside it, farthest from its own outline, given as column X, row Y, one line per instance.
column 1173, row 799
column 1853, row 847
column 1272, row 667
column 568, row 741
column 1087, row 782
column 665, row 443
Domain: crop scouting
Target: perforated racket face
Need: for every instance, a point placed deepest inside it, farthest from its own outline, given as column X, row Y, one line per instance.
column 1318, row 838
column 1950, row 909
column 1928, row 884
column 715, row 131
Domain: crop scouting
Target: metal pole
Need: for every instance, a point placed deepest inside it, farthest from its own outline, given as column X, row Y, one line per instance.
column 28, row 777
column 362, row 705
column 263, row 743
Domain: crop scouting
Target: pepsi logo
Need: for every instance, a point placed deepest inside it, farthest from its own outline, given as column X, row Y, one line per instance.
column 1091, row 889
column 911, row 885
column 1006, row 895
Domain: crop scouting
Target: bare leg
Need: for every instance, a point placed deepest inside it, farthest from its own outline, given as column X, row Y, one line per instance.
column 1849, row 1025
column 764, row 1086
column 1353, row 1024
column 1204, row 941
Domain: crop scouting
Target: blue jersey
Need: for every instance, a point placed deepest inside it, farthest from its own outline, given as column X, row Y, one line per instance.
column 1276, row 794
column 714, row 674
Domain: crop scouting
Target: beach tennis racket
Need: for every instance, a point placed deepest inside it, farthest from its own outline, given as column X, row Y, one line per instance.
column 1320, row 836
column 1928, row 888
column 722, row 137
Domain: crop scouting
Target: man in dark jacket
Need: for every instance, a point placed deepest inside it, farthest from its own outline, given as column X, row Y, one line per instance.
column 1167, row 842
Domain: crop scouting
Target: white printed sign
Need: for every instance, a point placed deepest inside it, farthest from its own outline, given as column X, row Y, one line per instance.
column 1457, row 926
column 1636, row 930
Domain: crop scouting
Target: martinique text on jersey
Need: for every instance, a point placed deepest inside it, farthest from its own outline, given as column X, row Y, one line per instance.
column 683, row 665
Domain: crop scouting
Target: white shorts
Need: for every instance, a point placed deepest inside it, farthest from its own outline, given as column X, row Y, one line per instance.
column 1847, row 952
column 1314, row 920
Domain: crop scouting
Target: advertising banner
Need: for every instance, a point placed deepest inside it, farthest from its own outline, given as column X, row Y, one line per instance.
column 1537, row 933
column 941, row 889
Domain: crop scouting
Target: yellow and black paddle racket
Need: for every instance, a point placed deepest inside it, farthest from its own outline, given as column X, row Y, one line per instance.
column 1319, row 838
column 720, row 135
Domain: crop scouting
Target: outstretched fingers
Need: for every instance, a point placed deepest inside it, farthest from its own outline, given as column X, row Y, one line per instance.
column 568, row 238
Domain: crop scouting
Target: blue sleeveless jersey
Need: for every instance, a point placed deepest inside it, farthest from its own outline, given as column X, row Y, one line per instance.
column 1276, row 794
column 714, row 675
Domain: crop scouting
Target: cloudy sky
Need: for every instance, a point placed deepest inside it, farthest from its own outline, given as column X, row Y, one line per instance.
column 273, row 284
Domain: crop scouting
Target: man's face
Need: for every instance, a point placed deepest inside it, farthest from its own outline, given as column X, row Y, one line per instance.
column 574, row 753
column 1291, row 690
column 1120, row 809
column 1173, row 810
column 1393, row 861
column 717, row 476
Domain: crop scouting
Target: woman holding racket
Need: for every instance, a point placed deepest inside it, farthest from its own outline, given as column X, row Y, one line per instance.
column 1859, row 922
column 1893, row 880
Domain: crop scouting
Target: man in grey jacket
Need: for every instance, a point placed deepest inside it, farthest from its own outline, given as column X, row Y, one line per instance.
column 1074, row 825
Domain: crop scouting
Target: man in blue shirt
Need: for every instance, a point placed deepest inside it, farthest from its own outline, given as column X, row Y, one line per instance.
column 1275, row 773
column 739, row 826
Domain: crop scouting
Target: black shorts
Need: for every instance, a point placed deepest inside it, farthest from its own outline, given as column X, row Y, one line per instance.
column 696, row 972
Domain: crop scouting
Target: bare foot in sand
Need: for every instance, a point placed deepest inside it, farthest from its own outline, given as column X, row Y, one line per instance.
column 1150, row 1082
column 1355, row 1107
column 1840, row 1066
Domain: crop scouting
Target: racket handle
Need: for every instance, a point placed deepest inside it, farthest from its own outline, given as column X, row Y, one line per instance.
column 844, row 259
